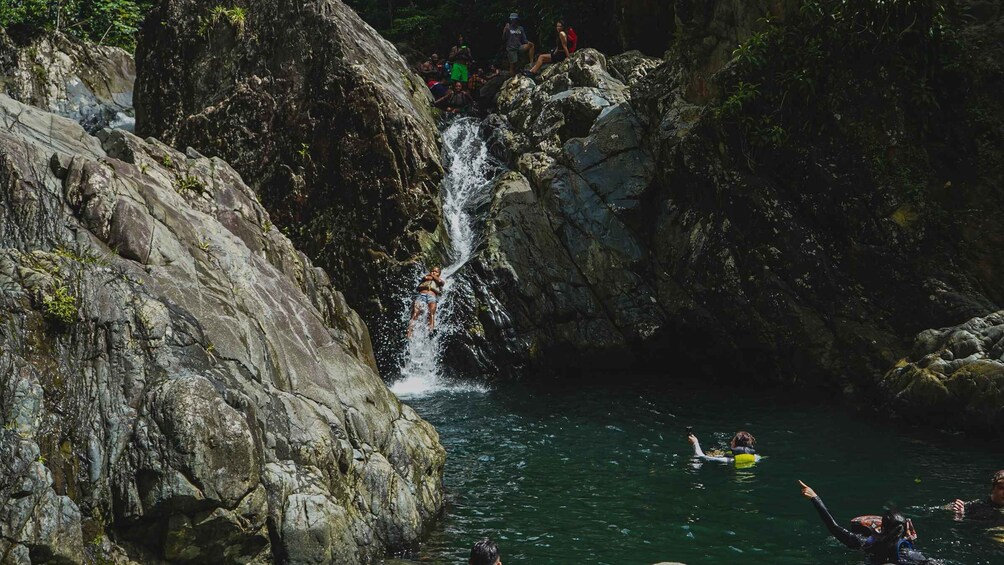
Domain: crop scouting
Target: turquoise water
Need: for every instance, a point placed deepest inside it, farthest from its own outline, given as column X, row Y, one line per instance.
column 595, row 475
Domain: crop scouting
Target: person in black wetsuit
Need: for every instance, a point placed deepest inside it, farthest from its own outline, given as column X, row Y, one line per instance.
column 890, row 546
column 990, row 508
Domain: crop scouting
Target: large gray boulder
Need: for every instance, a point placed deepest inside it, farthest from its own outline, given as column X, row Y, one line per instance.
column 319, row 114
column 91, row 84
column 666, row 249
column 177, row 382
column 955, row 375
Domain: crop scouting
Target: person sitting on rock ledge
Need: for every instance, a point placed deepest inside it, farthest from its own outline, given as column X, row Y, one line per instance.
column 742, row 445
column 485, row 552
column 563, row 48
column 457, row 101
column 429, row 290
column 890, row 542
column 989, row 508
column 428, row 71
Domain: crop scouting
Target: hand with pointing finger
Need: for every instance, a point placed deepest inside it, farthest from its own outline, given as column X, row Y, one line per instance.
column 807, row 491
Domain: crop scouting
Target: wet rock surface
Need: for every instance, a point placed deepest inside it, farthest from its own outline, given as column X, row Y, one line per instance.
column 320, row 115
column 90, row 84
column 177, row 382
column 955, row 375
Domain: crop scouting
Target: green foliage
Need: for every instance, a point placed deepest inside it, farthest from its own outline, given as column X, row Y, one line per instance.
column 236, row 16
column 60, row 305
column 109, row 22
column 839, row 63
column 188, row 183
column 433, row 25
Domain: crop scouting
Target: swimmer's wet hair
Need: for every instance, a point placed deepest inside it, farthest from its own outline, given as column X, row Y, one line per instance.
column 743, row 439
column 997, row 477
column 484, row 552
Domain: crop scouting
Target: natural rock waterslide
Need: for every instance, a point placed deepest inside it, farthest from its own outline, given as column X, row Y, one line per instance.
column 630, row 233
column 177, row 382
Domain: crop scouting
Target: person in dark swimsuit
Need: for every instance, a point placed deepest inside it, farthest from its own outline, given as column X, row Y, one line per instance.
column 429, row 290
column 892, row 545
column 990, row 508
column 558, row 54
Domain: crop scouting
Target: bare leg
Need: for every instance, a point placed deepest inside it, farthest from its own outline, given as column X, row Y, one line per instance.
column 432, row 316
column 531, row 48
column 415, row 313
column 541, row 61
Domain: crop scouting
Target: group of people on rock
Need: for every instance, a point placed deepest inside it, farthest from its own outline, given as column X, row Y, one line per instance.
column 883, row 539
column 456, row 79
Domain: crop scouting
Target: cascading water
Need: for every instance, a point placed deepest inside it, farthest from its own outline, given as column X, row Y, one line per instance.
column 466, row 187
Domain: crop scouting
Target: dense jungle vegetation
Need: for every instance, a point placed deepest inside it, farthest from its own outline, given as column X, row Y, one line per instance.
column 108, row 22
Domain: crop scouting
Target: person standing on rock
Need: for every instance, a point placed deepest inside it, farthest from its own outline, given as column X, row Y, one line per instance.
column 516, row 42
column 742, row 445
column 429, row 290
column 460, row 58
column 485, row 552
column 990, row 508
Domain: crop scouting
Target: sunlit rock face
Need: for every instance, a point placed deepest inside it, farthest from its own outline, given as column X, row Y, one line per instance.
column 177, row 381
column 90, row 84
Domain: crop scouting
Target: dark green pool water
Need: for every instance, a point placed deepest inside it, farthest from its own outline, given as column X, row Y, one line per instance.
column 599, row 475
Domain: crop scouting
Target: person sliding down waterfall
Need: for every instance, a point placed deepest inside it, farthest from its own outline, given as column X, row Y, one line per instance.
column 428, row 292
column 743, row 454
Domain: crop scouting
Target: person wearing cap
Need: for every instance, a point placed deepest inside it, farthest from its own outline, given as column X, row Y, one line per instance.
column 516, row 42
column 989, row 508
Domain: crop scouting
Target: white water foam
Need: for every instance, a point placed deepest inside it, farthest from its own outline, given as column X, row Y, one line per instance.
column 466, row 186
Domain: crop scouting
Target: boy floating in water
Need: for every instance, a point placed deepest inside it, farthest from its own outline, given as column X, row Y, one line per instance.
column 743, row 455
column 428, row 292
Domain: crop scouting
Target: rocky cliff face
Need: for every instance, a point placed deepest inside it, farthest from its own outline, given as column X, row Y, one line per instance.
column 636, row 228
column 88, row 83
column 318, row 113
column 177, row 382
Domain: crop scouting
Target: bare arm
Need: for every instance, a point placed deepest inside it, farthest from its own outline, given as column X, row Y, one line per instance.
column 563, row 37
column 700, row 454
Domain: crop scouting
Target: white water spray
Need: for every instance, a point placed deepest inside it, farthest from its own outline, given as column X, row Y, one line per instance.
column 470, row 170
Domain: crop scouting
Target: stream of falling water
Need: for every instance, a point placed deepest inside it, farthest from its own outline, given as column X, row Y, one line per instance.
column 466, row 187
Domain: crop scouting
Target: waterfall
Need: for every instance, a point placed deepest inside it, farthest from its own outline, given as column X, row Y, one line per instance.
column 466, row 188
